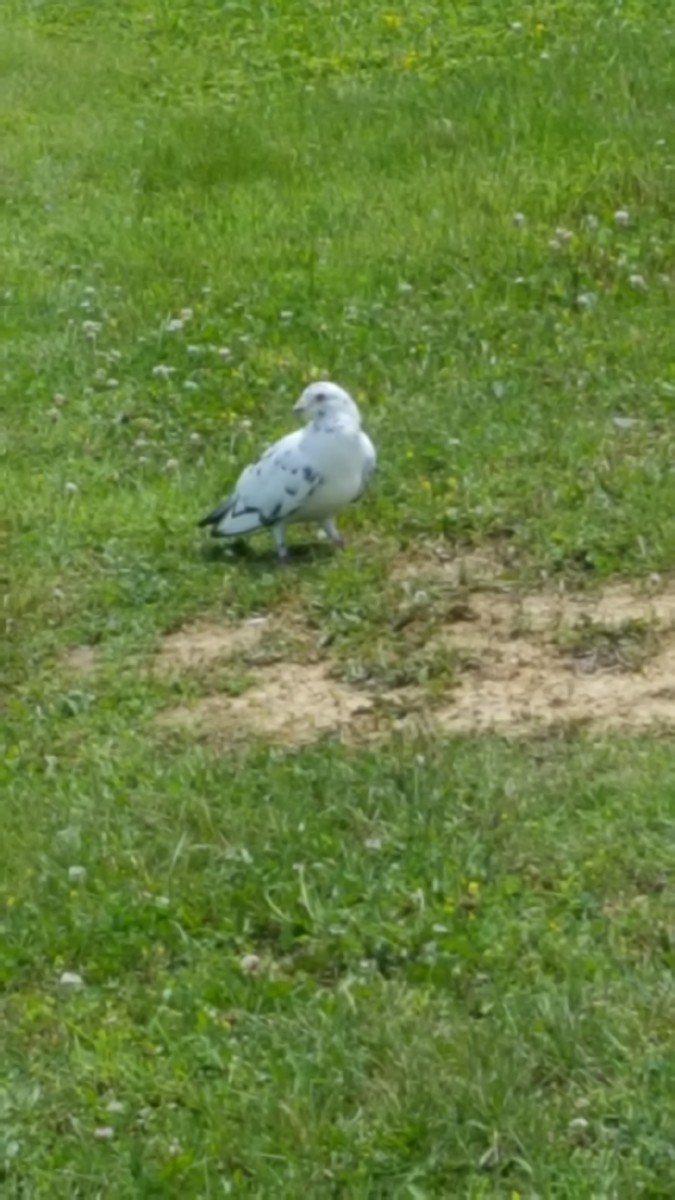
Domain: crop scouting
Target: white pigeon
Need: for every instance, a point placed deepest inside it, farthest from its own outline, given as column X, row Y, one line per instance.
column 309, row 475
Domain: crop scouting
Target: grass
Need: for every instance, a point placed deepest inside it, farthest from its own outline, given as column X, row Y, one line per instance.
column 463, row 955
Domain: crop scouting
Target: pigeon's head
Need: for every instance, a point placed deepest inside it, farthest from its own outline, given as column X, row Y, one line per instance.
column 323, row 399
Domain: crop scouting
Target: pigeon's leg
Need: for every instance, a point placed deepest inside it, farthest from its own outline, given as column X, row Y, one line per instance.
column 280, row 542
column 330, row 528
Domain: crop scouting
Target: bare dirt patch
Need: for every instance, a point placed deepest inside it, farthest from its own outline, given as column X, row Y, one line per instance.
column 540, row 660
column 202, row 644
column 435, row 563
column 523, row 661
column 288, row 702
column 80, row 660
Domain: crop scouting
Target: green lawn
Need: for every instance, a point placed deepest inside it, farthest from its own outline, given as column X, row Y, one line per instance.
column 416, row 966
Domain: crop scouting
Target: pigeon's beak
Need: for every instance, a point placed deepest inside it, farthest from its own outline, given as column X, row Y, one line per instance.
column 299, row 409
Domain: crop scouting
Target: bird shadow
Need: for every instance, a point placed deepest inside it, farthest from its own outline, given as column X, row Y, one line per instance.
column 245, row 556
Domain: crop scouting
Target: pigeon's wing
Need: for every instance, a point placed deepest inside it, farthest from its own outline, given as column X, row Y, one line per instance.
column 271, row 490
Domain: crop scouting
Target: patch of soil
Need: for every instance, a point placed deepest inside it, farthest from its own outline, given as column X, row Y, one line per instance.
column 519, row 676
column 518, row 662
column 289, row 702
column 200, row 645
column 81, row 660
column 436, row 563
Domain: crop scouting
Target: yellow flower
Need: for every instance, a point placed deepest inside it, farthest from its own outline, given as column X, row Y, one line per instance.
column 392, row 20
column 409, row 60
column 539, row 28
column 473, row 887
column 425, row 485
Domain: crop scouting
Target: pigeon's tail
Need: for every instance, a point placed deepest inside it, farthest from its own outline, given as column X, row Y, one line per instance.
column 217, row 513
column 229, row 519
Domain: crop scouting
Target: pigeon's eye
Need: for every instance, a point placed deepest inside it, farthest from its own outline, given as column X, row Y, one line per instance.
column 320, row 397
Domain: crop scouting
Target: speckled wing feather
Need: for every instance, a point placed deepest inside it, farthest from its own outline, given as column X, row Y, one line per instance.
column 273, row 489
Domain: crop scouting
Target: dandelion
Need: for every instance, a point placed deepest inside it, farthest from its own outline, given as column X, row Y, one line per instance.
column 621, row 216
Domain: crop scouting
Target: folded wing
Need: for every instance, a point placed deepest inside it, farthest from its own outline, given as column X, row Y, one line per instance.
column 269, row 491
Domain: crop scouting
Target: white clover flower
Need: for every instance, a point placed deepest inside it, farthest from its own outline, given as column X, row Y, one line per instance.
column 186, row 314
column 191, row 385
column 76, row 874
column 224, row 352
column 171, row 464
column 638, row 282
column 71, row 979
column 518, row 219
column 91, row 328
column 71, row 488
column 563, row 235
column 587, row 300
column 192, row 349
column 174, row 325
column 590, row 222
column 621, row 216
column 250, row 964
column 161, row 371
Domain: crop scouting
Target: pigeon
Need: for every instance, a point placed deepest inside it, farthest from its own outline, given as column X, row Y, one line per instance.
column 309, row 475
